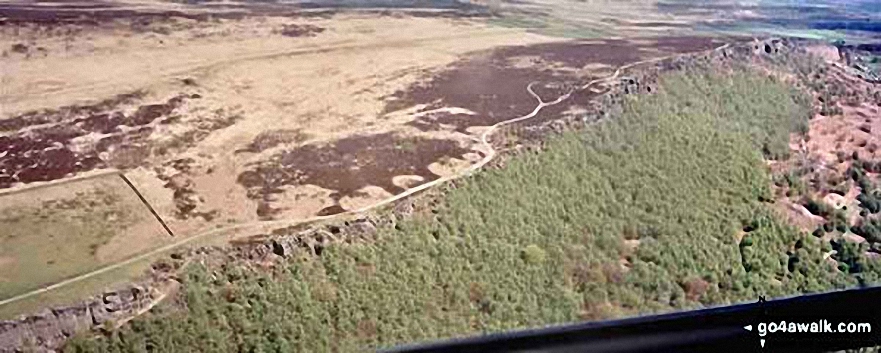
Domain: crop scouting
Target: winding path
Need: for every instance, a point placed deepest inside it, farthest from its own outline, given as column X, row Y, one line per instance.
column 488, row 156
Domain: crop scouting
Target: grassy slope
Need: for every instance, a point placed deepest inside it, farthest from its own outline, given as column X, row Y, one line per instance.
column 47, row 241
column 540, row 241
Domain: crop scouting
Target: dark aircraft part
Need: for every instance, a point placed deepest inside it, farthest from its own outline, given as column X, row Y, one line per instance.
column 752, row 327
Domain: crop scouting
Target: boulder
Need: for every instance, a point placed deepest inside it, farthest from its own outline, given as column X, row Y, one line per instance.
column 73, row 319
column 363, row 228
column 12, row 334
column 100, row 315
column 403, row 208
column 281, row 248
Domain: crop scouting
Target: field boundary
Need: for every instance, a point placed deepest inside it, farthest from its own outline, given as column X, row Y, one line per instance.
column 86, row 177
column 57, row 182
column 484, row 140
column 146, row 203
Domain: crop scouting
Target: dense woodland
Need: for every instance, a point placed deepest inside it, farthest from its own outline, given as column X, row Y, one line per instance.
column 664, row 207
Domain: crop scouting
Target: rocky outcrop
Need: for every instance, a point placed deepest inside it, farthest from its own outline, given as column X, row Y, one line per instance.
column 48, row 329
column 314, row 240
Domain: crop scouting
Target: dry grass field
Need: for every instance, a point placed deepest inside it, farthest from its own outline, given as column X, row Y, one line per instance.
column 51, row 233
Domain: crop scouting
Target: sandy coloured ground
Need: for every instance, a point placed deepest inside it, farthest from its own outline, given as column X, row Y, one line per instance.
column 314, row 89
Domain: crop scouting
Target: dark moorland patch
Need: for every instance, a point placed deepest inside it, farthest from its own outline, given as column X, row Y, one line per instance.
column 348, row 165
column 96, row 15
column 42, row 145
column 272, row 138
column 658, row 209
column 495, row 89
column 295, row 30
column 38, row 117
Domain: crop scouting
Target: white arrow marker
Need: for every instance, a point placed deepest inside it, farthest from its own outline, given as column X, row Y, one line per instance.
column 762, row 342
column 748, row 327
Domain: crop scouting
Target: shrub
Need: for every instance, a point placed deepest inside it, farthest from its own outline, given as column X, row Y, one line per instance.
column 533, row 254
column 817, row 208
column 869, row 229
column 850, row 256
column 869, row 202
column 19, row 48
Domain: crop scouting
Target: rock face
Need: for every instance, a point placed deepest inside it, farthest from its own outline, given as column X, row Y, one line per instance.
column 825, row 51
column 48, row 329
column 316, row 239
